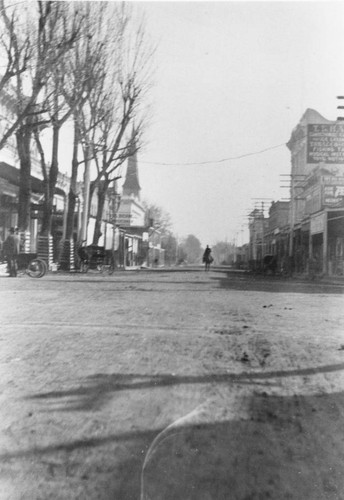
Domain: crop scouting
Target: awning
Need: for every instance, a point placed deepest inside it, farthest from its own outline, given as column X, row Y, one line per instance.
column 12, row 176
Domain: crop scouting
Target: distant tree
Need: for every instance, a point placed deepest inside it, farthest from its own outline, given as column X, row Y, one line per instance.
column 191, row 246
column 170, row 245
column 160, row 218
column 223, row 252
column 181, row 254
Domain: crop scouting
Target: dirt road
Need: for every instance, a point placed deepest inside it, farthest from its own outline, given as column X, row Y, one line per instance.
column 171, row 385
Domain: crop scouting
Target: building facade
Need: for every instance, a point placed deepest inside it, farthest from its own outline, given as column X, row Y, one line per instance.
column 306, row 234
column 277, row 236
column 142, row 244
column 258, row 230
column 317, row 195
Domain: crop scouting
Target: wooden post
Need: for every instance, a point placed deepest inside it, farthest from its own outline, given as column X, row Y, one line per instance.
column 86, row 196
column 325, row 244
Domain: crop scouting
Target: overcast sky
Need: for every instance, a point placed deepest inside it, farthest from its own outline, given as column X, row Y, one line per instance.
column 233, row 78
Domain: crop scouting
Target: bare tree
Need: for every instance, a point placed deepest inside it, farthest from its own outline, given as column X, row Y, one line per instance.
column 101, row 85
column 16, row 54
column 74, row 79
column 86, row 67
column 43, row 30
column 160, row 218
column 119, row 134
column 157, row 217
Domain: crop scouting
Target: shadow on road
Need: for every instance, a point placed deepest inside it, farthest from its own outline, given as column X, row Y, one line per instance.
column 276, row 284
column 285, row 447
column 94, row 391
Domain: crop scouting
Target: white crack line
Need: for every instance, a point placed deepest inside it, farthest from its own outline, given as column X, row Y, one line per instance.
column 211, row 410
column 162, row 436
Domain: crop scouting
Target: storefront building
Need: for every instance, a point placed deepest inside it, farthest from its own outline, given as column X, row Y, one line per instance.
column 9, row 197
column 307, row 232
column 142, row 244
column 258, row 230
column 277, row 236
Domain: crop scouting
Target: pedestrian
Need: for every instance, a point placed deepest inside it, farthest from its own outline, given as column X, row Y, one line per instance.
column 11, row 252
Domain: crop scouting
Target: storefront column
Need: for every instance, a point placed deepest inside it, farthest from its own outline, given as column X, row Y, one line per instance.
column 45, row 249
column 65, row 212
column 325, row 244
column 310, row 262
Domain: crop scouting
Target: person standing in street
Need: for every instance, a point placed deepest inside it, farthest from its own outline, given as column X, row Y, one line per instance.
column 11, row 252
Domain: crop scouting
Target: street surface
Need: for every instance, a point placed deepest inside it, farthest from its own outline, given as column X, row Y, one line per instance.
column 171, row 385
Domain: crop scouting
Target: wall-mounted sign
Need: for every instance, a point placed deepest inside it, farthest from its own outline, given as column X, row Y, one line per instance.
column 317, row 224
column 333, row 194
column 123, row 219
column 325, row 143
column 333, row 179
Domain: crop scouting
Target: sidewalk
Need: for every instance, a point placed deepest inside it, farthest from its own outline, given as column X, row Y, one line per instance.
column 303, row 277
column 333, row 280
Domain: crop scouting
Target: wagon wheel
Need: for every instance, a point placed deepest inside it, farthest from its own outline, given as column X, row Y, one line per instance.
column 36, row 268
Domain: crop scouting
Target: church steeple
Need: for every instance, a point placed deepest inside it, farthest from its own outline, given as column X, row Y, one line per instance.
column 131, row 186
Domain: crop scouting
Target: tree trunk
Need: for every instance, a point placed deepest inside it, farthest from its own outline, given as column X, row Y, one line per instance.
column 72, row 195
column 23, row 137
column 45, row 208
column 52, row 179
column 101, row 195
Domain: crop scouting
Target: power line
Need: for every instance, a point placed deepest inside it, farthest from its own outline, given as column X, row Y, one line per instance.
column 215, row 161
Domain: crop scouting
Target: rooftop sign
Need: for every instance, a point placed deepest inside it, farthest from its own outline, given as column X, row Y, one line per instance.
column 325, row 143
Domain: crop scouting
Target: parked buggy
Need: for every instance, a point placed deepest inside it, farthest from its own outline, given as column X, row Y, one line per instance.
column 270, row 264
column 91, row 257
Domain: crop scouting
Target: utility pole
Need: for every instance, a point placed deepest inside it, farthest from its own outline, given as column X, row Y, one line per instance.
column 292, row 219
column 263, row 232
column 115, row 204
column 84, row 223
column 294, row 179
column 177, row 245
column 261, row 228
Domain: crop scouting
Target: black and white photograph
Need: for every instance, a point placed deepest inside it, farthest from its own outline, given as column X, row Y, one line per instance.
column 171, row 250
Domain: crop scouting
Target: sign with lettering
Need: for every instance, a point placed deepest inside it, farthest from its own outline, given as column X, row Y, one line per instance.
column 333, row 194
column 317, row 224
column 123, row 219
column 325, row 143
column 334, row 180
